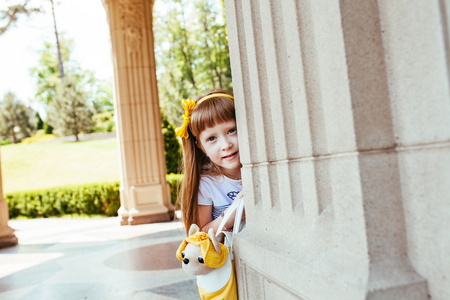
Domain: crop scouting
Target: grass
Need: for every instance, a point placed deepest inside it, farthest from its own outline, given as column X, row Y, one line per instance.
column 43, row 165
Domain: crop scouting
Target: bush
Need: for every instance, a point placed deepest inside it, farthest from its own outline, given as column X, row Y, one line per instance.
column 40, row 123
column 5, row 142
column 48, row 129
column 89, row 199
column 104, row 122
column 39, row 136
column 172, row 146
column 174, row 181
column 84, row 199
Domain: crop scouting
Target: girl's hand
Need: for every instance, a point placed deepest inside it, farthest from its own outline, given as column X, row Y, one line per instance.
column 205, row 221
column 239, row 196
column 230, row 222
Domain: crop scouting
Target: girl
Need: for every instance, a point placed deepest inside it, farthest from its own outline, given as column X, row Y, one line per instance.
column 212, row 168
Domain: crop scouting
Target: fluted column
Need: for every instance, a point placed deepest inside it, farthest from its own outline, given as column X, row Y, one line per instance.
column 343, row 116
column 7, row 237
column 145, row 194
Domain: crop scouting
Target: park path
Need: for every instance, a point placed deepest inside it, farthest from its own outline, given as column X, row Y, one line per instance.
column 68, row 259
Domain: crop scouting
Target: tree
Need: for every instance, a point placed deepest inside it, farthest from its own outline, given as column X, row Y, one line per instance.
column 211, row 34
column 17, row 121
column 46, row 72
column 58, row 47
column 191, row 49
column 10, row 15
column 70, row 112
column 40, row 122
column 47, row 76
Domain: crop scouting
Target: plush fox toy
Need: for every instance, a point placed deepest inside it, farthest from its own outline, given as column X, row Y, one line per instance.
column 204, row 256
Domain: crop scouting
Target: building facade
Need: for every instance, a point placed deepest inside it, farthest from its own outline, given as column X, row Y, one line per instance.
column 343, row 113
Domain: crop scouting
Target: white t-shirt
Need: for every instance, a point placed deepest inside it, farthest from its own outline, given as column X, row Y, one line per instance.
column 218, row 191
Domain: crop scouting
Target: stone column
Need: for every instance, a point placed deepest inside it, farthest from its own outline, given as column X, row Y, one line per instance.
column 7, row 237
column 145, row 193
column 343, row 116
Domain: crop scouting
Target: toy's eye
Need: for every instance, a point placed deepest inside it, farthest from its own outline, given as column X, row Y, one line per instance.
column 182, row 254
column 200, row 260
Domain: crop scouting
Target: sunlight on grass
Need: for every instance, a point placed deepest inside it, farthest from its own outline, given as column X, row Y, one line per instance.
column 43, row 165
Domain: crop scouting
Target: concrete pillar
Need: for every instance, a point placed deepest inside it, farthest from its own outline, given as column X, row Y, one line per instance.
column 343, row 116
column 7, row 237
column 145, row 193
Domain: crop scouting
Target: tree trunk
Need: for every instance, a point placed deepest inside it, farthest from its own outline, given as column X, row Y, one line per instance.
column 60, row 64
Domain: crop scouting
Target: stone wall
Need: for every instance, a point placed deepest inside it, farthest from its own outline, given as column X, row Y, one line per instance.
column 344, row 125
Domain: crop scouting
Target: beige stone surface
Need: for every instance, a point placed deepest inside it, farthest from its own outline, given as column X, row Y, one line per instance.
column 7, row 237
column 343, row 114
column 427, row 213
column 416, row 53
column 145, row 193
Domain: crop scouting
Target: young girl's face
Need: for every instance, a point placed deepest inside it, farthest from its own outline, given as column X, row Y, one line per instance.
column 220, row 143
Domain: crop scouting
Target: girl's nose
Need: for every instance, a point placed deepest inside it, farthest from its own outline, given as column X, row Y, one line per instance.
column 226, row 144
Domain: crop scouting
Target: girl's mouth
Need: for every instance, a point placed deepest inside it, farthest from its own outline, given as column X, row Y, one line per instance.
column 230, row 156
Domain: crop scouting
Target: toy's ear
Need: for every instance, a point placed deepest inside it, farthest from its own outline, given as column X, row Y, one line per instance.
column 221, row 237
column 214, row 240
column 217, row 257
column 181, row 249
column 194, row 229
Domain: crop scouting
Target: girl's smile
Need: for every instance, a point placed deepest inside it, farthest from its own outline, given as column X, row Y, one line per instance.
column 231, row 156
column 220, row 144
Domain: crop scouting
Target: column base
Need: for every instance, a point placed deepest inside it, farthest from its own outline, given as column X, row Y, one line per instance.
column 8, row 241
column 146, row 219
column 316, row 274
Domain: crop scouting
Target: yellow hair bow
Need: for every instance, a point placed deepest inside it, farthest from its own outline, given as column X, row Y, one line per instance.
column 182, row 131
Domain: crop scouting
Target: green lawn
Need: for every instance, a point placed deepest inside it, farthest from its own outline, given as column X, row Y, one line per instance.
column 43, row 165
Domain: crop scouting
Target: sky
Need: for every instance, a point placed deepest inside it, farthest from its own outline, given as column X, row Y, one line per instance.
column 83, row 21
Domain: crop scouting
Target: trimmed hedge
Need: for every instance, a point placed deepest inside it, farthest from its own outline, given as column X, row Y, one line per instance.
column 88, row 199
column 174, row 181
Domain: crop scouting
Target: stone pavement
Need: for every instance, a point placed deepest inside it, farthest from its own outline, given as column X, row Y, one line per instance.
column 94, row 259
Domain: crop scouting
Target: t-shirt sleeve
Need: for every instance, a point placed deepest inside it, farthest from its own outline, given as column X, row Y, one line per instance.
column 204, row 194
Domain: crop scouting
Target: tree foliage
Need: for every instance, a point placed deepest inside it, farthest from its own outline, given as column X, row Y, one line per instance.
column 11, row 14
column 191, row 48
column 46, row 73
column 17, row 121
column 69, row 111
column 93, row 96
column 172, row 146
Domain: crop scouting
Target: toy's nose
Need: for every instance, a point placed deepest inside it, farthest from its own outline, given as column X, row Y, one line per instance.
column 185, row 261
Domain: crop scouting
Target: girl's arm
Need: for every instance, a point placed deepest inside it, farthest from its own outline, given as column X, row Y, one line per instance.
column 205, row 220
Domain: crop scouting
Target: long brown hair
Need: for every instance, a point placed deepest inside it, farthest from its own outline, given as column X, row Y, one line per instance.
column 213, row 111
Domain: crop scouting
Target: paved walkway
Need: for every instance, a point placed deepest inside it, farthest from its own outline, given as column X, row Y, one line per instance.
column 94, row 259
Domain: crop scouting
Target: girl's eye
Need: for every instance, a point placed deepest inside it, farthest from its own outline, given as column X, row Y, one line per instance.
column 211, row 139
column 232, row 131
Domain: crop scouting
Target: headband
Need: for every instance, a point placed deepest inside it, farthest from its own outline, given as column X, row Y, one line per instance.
column 188, row 106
